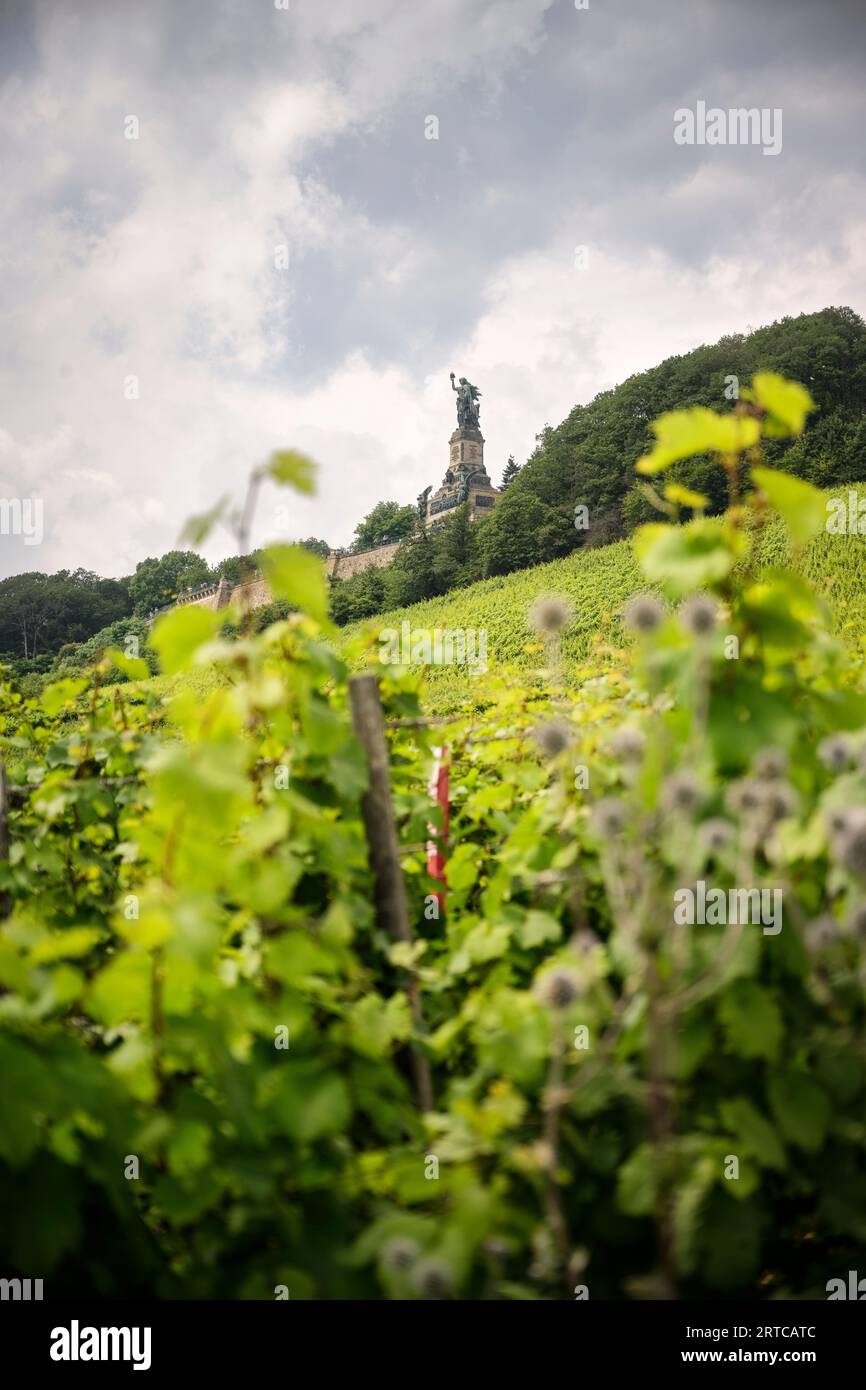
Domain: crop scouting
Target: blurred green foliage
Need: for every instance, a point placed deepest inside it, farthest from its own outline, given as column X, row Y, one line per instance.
column 190, row 892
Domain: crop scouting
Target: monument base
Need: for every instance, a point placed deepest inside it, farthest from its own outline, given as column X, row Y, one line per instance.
column 466, row 479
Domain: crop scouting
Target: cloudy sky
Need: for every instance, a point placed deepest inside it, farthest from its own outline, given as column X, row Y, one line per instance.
column 306, row 128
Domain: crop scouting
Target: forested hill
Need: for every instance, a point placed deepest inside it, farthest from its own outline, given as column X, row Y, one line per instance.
column 589, row 459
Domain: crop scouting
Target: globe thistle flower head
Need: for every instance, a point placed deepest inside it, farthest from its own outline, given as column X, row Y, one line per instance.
column 558, row 988
column 699, row 615
column 550, row 613
column 850, row 843
column 643, row 613
column 682, row 792
column 433, row 1279
column 552, row 737
column 857, row 920
column 837, row 820
column 399, row 1253
column 780, row 800
column 835, row 752
column 770, row 764
column 743, row 798
column 585, row 941
column 821, row 933
column 716, row 835
column 609, row 816
column 628, row 745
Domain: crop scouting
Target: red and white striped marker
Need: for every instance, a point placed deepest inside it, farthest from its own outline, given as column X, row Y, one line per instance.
column 437, row 789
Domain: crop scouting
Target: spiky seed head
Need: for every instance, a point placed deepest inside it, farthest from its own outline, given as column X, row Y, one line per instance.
column 558, row 988
column 821, row 933
column 682, row 792
column 850, row 845
column 584, row 941
column 433, row 1279
column 643, row 613
column 857, row 920
column 699, row 614
column 399, row 1253
column 837, row 820
column 743, row 797
column 716, row 835
column 835, row 752
column 552, row 737
column 609, row 816
column 628, row 745
column 845, row 820
column 770, row 764
column 780, row 800
column 550, row 613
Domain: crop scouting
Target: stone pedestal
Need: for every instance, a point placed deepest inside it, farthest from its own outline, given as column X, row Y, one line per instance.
column 467, row 447
column 466, row 475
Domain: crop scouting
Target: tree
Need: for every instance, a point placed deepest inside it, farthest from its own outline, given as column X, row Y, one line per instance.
column 410, row 577
column 509, row 473
column 316, row 547
column 512, row 538
column 387, row 522
column 453, row 551
column 76, row 657
column 40, row 612
column 236, row 569
column 589, row 458
column 158, row 582
column 358, row 597
column 25, row 612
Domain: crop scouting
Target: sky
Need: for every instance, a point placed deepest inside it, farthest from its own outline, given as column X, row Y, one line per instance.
column 232, row 226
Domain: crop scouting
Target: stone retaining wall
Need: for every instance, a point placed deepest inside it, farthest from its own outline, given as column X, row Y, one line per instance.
column 345, row 566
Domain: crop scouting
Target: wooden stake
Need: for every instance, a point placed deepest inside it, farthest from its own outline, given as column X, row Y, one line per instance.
column 392, row 913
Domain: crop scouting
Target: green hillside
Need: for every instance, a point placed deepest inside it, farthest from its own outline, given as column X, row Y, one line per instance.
column 596, row 582
column 588, row 460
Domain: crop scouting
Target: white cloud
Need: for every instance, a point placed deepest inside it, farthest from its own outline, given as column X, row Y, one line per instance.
column 155, row 258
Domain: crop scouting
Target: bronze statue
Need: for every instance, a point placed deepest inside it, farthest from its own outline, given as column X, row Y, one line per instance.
column 468, row 403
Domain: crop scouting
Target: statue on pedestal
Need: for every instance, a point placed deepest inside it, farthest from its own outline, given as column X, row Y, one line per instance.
column 468, row 403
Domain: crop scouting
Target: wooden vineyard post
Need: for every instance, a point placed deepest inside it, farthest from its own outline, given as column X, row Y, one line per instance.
column 392, row 912
column 5, row 898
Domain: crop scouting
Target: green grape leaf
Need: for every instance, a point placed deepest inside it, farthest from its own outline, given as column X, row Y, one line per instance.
column 751, row 1019
column 801, row 1108
column 753, row 1132
column 293, row 469
column 800, row 504
column 297, row 576
column 787, row 404
column 681, row 433
column 61, row 694
column 177, row 635
column 690, row 557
